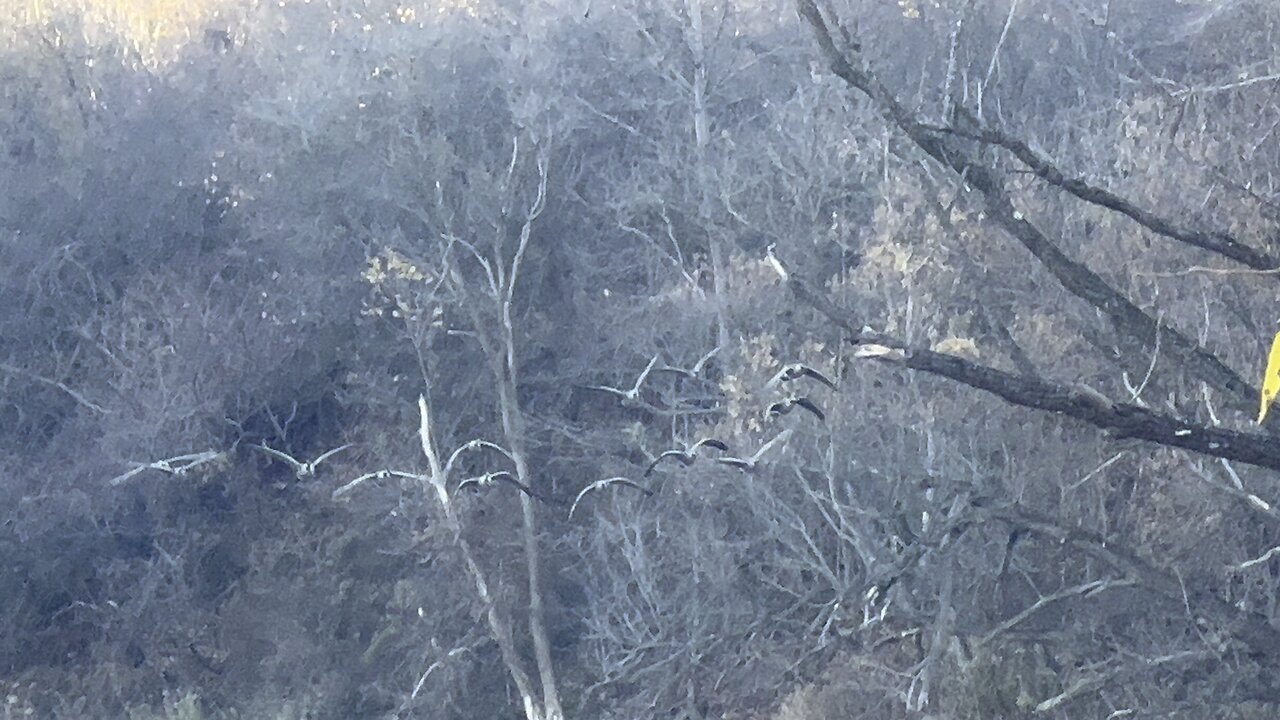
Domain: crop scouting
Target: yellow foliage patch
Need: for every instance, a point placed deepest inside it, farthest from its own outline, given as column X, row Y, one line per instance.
column 1270, row 379
column 960, row 346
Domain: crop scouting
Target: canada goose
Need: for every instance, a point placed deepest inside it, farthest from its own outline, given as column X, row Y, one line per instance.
column 687, row 455
column 488, row 478
column 176, row 466
column 783, row 407
column 795, row 371
column 634, row 393
column 775, row 263
column 749, row 464
column 376, row 475
column 302, row 470
column 605, row 483
column 693, row 372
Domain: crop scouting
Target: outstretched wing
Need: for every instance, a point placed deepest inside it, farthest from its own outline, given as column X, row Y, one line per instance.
column 512, row 481
column 330, row 454
column 702, row 362
column 677, row 371
column 810, row 372
column 739, row 463
column 809, row 405
column 680, row 454
column 778, row 377
column 645, row 374
column 606, row 388
column 597, row 485
column 279, row 455
column 712, row 443
column 776, row 439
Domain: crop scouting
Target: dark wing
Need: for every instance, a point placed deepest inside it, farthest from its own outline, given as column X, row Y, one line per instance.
column 807, row 371
column 511, row 480
column 711, row 442
column 679, row 454
column 809, row 405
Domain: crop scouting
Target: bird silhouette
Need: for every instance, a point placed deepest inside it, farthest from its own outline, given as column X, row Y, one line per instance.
column 632, row 394
column 599, row 484
column 750, row 463
column 796, row 371
column 687, row 455
column 302, row 470
column 488, row 479
column 785, row 406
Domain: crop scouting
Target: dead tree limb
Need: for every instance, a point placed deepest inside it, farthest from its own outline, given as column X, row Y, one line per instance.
column 1119, row 420
column 1075, row 277
column 1219, row 243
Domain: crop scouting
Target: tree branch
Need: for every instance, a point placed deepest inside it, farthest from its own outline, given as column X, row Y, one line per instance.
column 1044, row 168
column 1120, row 420
column 1075, row 277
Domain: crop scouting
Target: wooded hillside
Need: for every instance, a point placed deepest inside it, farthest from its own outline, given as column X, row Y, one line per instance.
column 690, row 359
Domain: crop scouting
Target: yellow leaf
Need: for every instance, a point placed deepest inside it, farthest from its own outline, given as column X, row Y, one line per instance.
column 872, row 350
column 1270, row 379
column 962, row 346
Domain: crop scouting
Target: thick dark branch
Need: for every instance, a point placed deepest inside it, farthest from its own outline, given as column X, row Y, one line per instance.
column 1120, row 420
column 1076, row 277
column 1043, row 167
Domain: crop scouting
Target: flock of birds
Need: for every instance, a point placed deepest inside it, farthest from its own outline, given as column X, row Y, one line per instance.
column 685, row 456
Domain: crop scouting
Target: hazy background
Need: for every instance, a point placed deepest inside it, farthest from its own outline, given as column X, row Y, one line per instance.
column 231, row 226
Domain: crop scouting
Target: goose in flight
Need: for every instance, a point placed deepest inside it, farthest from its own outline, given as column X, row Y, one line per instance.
column 687, row 455
column 633, row 394
column 488, row 478
column 783, row 407
column 795, row 371
column 302, row 470
column 749, row 464
column 176, row 466
column 597, row 485
column 693, row 372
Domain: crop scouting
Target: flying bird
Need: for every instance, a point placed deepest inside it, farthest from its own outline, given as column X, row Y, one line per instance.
column 693, row 372
column 749, row 464
column 606, row 483
column 302, row 470
column 795, row 371
column 687, row 455
column 488, row 479
column 783, row 407
column 634, row 393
